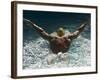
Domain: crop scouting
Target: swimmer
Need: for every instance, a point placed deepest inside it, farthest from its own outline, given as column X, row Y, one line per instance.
column 61, row 42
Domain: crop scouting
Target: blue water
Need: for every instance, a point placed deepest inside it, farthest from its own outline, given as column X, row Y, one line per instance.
column 36, row 50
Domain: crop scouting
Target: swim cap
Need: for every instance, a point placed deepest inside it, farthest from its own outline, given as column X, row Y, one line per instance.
column 60, row 32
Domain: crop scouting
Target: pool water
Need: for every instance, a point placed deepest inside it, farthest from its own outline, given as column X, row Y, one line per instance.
column 35, row 54
column 36, row 50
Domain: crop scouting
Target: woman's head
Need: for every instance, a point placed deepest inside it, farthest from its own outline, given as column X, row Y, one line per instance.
column 60, row 32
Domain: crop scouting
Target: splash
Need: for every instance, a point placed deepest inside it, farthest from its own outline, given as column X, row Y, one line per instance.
column 35, row 54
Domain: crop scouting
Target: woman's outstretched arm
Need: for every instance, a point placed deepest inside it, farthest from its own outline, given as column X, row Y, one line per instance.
column 78, row 31
column 39, row 30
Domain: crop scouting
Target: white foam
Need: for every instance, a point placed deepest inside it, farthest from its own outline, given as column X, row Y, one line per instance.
column 36, row 52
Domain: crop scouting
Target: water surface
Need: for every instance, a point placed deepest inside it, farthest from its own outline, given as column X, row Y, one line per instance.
column 36, row 49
